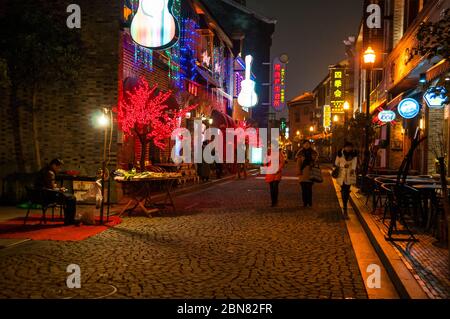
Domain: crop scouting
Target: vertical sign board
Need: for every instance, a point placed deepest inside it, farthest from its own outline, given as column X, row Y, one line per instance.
column 279, row 85
column 326, row 116
column 373, row 28
column 337, row 87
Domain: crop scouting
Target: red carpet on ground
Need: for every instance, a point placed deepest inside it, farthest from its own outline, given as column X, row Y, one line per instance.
column 52, row 230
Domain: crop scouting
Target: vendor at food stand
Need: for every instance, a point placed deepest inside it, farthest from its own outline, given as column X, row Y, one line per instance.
column 46, row 182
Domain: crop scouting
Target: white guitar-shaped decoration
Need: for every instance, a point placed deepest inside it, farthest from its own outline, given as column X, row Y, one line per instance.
column 248, row 97
column 153, row 26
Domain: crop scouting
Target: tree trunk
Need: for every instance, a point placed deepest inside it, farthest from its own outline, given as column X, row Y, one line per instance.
column 37, row 151
column 16, row 127
column 144, row 143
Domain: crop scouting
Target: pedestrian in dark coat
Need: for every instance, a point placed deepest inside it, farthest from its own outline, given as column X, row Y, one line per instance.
column 204, row 169
column 306, row 158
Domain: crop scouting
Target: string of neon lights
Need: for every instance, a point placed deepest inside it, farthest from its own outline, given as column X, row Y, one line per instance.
column 142, row 56
column 188, row 48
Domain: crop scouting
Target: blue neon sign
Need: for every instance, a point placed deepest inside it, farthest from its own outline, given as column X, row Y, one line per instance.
column 409, row 108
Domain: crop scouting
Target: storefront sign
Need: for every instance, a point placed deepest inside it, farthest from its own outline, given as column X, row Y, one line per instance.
column 387, row 116
column 436, row 97
column 279, row 85
column 327, row 116
column 337, row 86
column 153, row 26
column 409, row 108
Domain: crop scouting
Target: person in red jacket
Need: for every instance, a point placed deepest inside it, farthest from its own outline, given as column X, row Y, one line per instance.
column 274, row 179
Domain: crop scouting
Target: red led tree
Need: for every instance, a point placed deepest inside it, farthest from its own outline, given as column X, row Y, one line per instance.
column 144, row 114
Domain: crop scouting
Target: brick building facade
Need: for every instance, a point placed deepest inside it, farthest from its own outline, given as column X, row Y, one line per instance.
column 65, row 117
column 399, row 77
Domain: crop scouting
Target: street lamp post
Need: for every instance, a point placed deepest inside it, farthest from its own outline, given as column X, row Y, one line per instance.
column 346, row 109
column 104, row 122
column 334, row 126
column 369, row 60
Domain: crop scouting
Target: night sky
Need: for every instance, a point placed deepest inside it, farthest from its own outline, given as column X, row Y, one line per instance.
column 311, row 33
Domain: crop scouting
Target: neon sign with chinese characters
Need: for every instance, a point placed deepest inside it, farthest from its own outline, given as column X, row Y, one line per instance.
column 279, row 85
column 337, row 98
column 327, row 116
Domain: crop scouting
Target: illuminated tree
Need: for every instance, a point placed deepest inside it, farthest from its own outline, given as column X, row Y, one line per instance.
column 144, row 114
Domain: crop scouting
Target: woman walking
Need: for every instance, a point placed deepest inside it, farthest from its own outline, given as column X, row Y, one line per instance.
column 306, row 158
column 274, row 179
column 346, row 162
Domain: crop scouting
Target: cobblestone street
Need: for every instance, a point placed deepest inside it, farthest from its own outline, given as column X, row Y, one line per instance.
column 223, row 242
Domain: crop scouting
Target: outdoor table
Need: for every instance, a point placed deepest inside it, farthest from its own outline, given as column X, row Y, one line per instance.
column 412, row 180
column 140, row 193
column 429, row 186
column 75, row 178
column 169, row 166
column 430, row 201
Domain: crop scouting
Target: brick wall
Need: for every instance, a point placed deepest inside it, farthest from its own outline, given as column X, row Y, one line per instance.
column 66, row 128
column 396, row 152
column 435, row 128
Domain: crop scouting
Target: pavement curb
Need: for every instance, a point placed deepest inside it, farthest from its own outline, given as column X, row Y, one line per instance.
column 366, row 254
column 404, row 282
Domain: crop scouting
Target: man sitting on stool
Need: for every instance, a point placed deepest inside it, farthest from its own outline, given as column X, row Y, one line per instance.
column 46, row 181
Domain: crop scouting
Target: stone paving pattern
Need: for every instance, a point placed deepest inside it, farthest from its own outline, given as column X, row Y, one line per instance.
column 226, row 243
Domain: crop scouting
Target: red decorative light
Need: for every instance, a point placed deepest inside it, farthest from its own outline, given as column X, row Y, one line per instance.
column 144, row 114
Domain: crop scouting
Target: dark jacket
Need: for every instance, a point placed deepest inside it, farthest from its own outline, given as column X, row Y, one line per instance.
column 305, row 161
column 46, row 179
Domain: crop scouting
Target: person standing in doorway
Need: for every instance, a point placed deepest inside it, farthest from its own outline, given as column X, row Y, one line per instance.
column 346, row 162
column 274, row 179
column 306, row 158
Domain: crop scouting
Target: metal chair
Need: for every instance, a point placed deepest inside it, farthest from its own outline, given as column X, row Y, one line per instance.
column 388, row 205
column 400, row 205
column 368, row 186
column 38, row 197
column 379, row 195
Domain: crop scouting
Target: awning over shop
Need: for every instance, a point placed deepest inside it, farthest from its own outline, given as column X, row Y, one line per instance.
column 392, row 104
column 414, row 94
column 380, row 105
column 438, row 70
